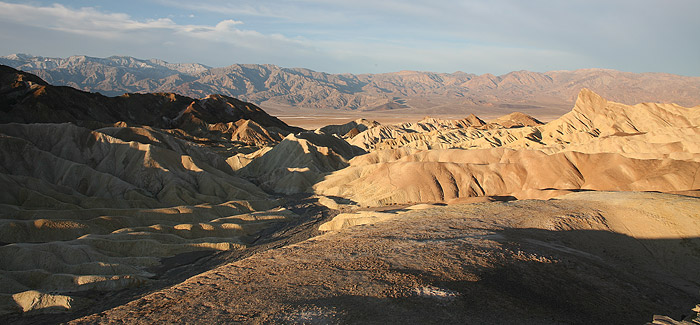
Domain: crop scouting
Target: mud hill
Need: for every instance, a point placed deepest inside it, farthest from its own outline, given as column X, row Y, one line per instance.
column 98, row 190
column 165, row 208
column 599, row 145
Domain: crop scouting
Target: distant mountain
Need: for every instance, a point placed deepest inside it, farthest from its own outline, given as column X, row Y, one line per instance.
column 428, row 92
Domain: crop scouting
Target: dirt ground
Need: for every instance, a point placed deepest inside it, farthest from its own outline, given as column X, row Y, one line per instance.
column 482, row 263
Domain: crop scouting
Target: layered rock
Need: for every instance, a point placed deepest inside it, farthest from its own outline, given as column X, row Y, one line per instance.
column 293, row 165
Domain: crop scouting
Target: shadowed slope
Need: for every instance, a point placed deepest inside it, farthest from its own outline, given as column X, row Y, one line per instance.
column 30, row 100
column 82, row 210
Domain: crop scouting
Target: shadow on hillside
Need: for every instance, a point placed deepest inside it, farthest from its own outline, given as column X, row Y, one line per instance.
column 539, row 276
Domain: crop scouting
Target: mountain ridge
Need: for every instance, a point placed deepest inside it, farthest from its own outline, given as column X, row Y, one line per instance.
column 271, row 85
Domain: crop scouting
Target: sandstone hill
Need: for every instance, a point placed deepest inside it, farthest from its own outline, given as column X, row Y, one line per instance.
column 106, row 200
column 541, row 94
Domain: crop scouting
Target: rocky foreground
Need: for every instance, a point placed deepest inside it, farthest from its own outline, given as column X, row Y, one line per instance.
column 112, row 206
column 585, row 258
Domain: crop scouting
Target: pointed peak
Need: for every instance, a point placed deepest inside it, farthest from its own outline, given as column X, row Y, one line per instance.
column 475, row 120
column 587, row 96
column 516, row 119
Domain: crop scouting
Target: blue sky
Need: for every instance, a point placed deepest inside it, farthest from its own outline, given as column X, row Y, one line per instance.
column 368, row 36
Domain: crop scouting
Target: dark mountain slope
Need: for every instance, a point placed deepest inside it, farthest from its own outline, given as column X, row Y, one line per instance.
column 25, row 98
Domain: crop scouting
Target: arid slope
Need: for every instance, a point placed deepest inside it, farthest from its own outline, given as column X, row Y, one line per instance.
column 99, row 191
column 585, row 258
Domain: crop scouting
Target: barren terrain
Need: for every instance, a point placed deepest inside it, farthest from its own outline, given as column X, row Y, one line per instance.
column 148, row 208
column 565, row 261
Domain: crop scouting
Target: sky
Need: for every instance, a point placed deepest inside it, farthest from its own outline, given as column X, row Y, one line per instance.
column 367, row 36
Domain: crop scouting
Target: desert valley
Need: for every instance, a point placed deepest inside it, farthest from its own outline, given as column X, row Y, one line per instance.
column 568, row 197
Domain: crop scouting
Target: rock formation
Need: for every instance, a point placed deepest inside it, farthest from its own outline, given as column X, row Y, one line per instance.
column 98, row 190
column 599, row 145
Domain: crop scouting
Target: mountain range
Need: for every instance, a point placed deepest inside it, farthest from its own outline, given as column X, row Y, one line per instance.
column 550, row 93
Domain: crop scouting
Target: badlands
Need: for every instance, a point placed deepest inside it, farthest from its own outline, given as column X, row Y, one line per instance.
column 153, row 208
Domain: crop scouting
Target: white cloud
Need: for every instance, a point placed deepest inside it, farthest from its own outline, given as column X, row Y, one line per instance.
column 91, row 22
column 83, row 21
column 67, row 31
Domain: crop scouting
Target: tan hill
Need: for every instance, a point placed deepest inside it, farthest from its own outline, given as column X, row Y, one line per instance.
column 545, row 94
column 445, row 175
column 516, row 119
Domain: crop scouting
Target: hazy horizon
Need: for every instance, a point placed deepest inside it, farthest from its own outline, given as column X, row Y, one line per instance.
column 361, row 73
column 477, row 37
